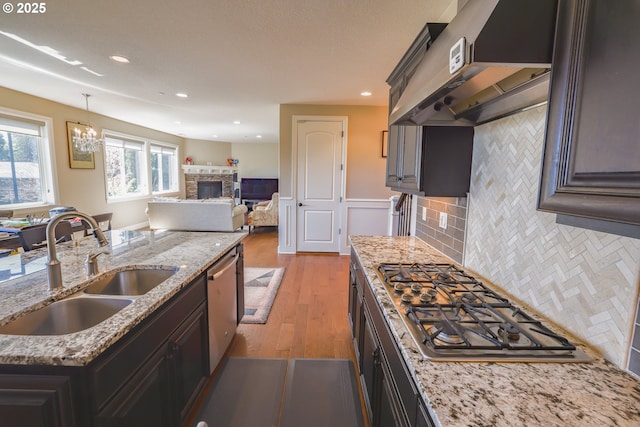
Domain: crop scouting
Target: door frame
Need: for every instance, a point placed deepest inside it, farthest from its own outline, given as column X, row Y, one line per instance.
column 292, row 217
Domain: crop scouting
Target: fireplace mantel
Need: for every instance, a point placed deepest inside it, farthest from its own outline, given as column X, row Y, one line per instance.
column 209, row 170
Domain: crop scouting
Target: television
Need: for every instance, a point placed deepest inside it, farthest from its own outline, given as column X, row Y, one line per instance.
column 258, row 188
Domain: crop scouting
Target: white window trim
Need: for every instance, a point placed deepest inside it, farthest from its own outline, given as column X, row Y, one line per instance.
column 147, row 151
column 48, row 153
column 170, row 145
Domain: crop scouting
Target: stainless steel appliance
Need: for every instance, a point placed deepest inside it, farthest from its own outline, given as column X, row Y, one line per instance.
column 454, row 317
column 492, row 60
column 222, row 305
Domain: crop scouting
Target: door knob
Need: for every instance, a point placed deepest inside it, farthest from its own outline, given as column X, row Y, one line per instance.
column 299, row 204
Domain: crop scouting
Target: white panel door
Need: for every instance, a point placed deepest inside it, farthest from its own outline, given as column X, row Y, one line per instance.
column 318, row 185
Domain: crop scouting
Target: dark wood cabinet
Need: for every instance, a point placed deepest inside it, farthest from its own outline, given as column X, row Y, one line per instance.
column 143, row 401
column 429, row 161
column 404, row 155
column 240, row 284
column 165, row 387
column 390, row 394
column 422, row 417
column 188, row 356
column 355, row 311
column 166, row 384
column 150, row 377
column 390, row 410
column 369, row 364
column 43, row 400
column 591, row 164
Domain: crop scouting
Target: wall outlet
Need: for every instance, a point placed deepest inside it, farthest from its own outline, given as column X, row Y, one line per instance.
column 424, row 213
column 443, row 220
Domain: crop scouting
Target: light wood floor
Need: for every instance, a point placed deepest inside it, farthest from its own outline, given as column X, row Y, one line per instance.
column 309, row 315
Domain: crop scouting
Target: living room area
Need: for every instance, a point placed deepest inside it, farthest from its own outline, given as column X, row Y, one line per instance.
column 92, row 189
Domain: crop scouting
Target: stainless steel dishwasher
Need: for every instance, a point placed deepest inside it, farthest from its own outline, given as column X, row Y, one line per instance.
column 222, row 302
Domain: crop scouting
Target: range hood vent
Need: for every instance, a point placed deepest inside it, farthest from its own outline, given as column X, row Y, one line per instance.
column 501, row 51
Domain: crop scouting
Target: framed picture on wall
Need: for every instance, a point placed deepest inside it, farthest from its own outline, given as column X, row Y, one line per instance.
column 385, row 137
column 77, row 158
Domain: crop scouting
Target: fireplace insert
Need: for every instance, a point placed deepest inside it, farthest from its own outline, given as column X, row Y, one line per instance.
column 209, row 189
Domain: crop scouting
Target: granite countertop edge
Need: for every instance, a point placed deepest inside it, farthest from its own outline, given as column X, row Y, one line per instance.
column 500, row 394
column 191, row 252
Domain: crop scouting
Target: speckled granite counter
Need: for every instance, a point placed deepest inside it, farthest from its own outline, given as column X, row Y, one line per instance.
column 23, row 286
column 501, row 394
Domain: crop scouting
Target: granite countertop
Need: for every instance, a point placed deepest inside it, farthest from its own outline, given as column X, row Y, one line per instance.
column 501, row 394
column 23, row 285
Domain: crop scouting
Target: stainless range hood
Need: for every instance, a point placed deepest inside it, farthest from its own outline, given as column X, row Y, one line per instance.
column 500, row 51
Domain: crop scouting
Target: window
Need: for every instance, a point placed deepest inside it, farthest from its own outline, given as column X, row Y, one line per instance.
column 138, row 168
column 164, row 168
column 26, row 162
column 125, row 167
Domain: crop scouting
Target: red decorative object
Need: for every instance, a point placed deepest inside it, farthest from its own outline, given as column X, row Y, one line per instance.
column 188, row 160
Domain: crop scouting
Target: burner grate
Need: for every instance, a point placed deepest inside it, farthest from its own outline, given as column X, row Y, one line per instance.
column 453, row 316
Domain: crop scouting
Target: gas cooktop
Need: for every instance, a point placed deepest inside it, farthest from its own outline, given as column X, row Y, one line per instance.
column 454, row 317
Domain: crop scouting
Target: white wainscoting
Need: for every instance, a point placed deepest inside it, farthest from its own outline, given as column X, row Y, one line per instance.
column 287, row 226
column 364, row 217
column 357, row 217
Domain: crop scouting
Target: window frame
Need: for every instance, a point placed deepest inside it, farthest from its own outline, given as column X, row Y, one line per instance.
column 47, row 160
column 145, row 173
column 175, row 167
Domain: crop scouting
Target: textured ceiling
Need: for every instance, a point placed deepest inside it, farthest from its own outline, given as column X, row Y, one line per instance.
column 237, row 60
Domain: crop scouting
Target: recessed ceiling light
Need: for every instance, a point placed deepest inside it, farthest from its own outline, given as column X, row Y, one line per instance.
column 236, row 122
column 177, row 122
column 365, row 93
column 182, row 95
column 258, row 136
column 214, row 136
column 120, row 59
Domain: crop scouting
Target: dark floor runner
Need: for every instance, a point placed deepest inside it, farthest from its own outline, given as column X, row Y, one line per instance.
column 249, row 392
column 246, row 392
column 321, row 393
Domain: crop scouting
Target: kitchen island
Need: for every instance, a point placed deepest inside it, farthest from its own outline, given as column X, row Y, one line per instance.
column 151, row 354
column 485, row 393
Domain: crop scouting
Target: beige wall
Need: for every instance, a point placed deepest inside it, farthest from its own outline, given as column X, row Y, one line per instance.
column 206, row 151
column 256, row 159
column 85, row 188
column 366, row 167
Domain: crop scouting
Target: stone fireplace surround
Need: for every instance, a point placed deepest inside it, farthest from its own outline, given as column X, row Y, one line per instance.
column 191, row 184
column 193, row 174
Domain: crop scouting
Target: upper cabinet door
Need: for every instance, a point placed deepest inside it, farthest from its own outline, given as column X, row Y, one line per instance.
column 591, row 163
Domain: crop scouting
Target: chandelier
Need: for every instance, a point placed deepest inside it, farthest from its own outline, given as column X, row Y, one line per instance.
column 87, row 141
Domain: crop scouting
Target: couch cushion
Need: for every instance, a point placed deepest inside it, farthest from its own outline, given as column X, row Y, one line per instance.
column 196, row 215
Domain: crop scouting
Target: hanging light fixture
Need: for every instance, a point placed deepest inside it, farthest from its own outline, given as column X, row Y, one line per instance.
column 86, row 141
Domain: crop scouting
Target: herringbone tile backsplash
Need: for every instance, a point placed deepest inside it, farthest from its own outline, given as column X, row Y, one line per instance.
column 584, row 280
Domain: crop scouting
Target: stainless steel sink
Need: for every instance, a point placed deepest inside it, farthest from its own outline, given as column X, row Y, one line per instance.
column 133, row 281
column 65, row 316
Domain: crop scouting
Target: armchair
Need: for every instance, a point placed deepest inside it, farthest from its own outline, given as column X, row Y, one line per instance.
column 264, row 213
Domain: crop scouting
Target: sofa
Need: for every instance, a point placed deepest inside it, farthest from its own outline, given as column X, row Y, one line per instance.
column 196, row 215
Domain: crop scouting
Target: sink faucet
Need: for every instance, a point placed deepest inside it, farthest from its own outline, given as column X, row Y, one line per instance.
column 54, row 272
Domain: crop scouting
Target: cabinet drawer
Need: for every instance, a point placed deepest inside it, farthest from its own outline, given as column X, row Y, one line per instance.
column 121, row 362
